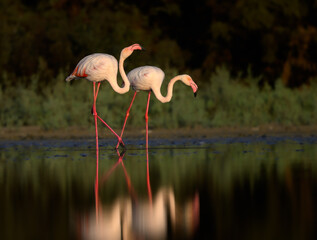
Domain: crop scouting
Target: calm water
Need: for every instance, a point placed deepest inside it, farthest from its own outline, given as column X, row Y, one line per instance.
column 222, row 188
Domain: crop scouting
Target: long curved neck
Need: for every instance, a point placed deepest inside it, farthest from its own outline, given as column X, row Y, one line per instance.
column 168, row 97
column 114, row 84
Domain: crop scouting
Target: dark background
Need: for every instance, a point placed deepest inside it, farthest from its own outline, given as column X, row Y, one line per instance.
column 271, row 39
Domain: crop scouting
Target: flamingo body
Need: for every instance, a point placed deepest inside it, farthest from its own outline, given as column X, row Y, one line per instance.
column 145, row 78
column 150, row 78
column 96, row 67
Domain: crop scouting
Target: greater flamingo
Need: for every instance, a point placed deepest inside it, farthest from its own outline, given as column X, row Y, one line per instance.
column 98, row 67
column 150, row 78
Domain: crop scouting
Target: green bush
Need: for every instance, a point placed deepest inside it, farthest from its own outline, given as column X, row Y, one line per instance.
column 221, row 101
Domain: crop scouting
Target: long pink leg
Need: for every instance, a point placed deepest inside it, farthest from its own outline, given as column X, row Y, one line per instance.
column 97, row 90
column 147, row 149
column 147, row 120
column 95, row 112
column 126, row 118
column 119, row 138
column 95, row 97
column 96, row 127
column 97, row 154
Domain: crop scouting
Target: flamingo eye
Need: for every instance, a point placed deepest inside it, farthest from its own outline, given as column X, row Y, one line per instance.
column 189, row 80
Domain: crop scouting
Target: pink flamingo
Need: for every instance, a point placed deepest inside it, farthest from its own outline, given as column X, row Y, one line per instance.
column 98, row 67
column 150, row 78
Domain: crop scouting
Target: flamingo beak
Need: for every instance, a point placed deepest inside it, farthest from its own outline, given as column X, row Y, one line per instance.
column 194, row 87
column 136, row 46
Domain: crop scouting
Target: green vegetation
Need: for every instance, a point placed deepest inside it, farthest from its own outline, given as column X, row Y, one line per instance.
column 274, row 38
column 255, row 62
column 223, row 100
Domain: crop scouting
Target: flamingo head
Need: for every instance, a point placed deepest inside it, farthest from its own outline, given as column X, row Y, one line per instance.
column 126, row 52
column 190, row 82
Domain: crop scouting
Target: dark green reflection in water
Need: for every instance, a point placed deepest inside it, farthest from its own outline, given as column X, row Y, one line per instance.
column 251, row 188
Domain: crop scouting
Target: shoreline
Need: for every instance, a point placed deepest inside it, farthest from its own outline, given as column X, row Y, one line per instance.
column 34, row 132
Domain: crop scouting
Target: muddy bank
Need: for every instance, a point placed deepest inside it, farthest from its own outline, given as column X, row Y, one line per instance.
column 79, row 132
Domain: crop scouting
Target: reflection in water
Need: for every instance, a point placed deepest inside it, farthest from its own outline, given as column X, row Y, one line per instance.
column 129, row 218
column 244, row 188
column 148, row 182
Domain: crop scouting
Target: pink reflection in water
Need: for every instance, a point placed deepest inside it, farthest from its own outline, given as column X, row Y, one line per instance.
column 129, row 218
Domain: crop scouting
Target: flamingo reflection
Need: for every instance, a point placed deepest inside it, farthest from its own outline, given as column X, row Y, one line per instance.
column 110, row 222
column 131, row 218
column 151, row 218
column 149, row 190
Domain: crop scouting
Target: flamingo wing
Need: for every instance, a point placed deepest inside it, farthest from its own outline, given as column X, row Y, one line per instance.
column 145, row 78
column 97, row 67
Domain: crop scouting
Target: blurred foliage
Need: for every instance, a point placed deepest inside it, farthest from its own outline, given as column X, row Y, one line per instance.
column 245, row 56
column 274, row 38
column 223, row 100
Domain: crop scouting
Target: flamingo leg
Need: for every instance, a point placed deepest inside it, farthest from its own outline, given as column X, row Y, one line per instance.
column 97, row 90
column 97, row 152
column 95, row 97
column 119, row 138
column 96, row 123
column 126, row 118
column 147, row 149
column 94, row 112
column 147, row 120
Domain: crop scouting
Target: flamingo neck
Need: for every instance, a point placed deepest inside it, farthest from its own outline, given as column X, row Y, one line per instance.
column 169, row 94
column 114, row 83
column 126, row 86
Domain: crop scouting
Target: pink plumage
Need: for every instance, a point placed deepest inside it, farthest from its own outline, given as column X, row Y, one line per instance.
column 96, row 67
column 99, row 67
column 150, row 78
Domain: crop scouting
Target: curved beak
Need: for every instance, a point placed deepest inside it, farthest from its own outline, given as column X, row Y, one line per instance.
column 136, row 46
column 194, row 87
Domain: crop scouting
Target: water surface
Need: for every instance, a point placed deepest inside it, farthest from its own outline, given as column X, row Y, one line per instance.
column 220, row 188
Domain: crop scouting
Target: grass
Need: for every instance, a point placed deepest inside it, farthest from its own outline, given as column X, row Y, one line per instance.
column 221, row 101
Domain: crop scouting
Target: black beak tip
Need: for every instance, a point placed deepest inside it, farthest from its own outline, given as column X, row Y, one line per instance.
column 142, row 48
column 195, row 94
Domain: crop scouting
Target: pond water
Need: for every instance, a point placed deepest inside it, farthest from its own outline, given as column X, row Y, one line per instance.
column 220, row 188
